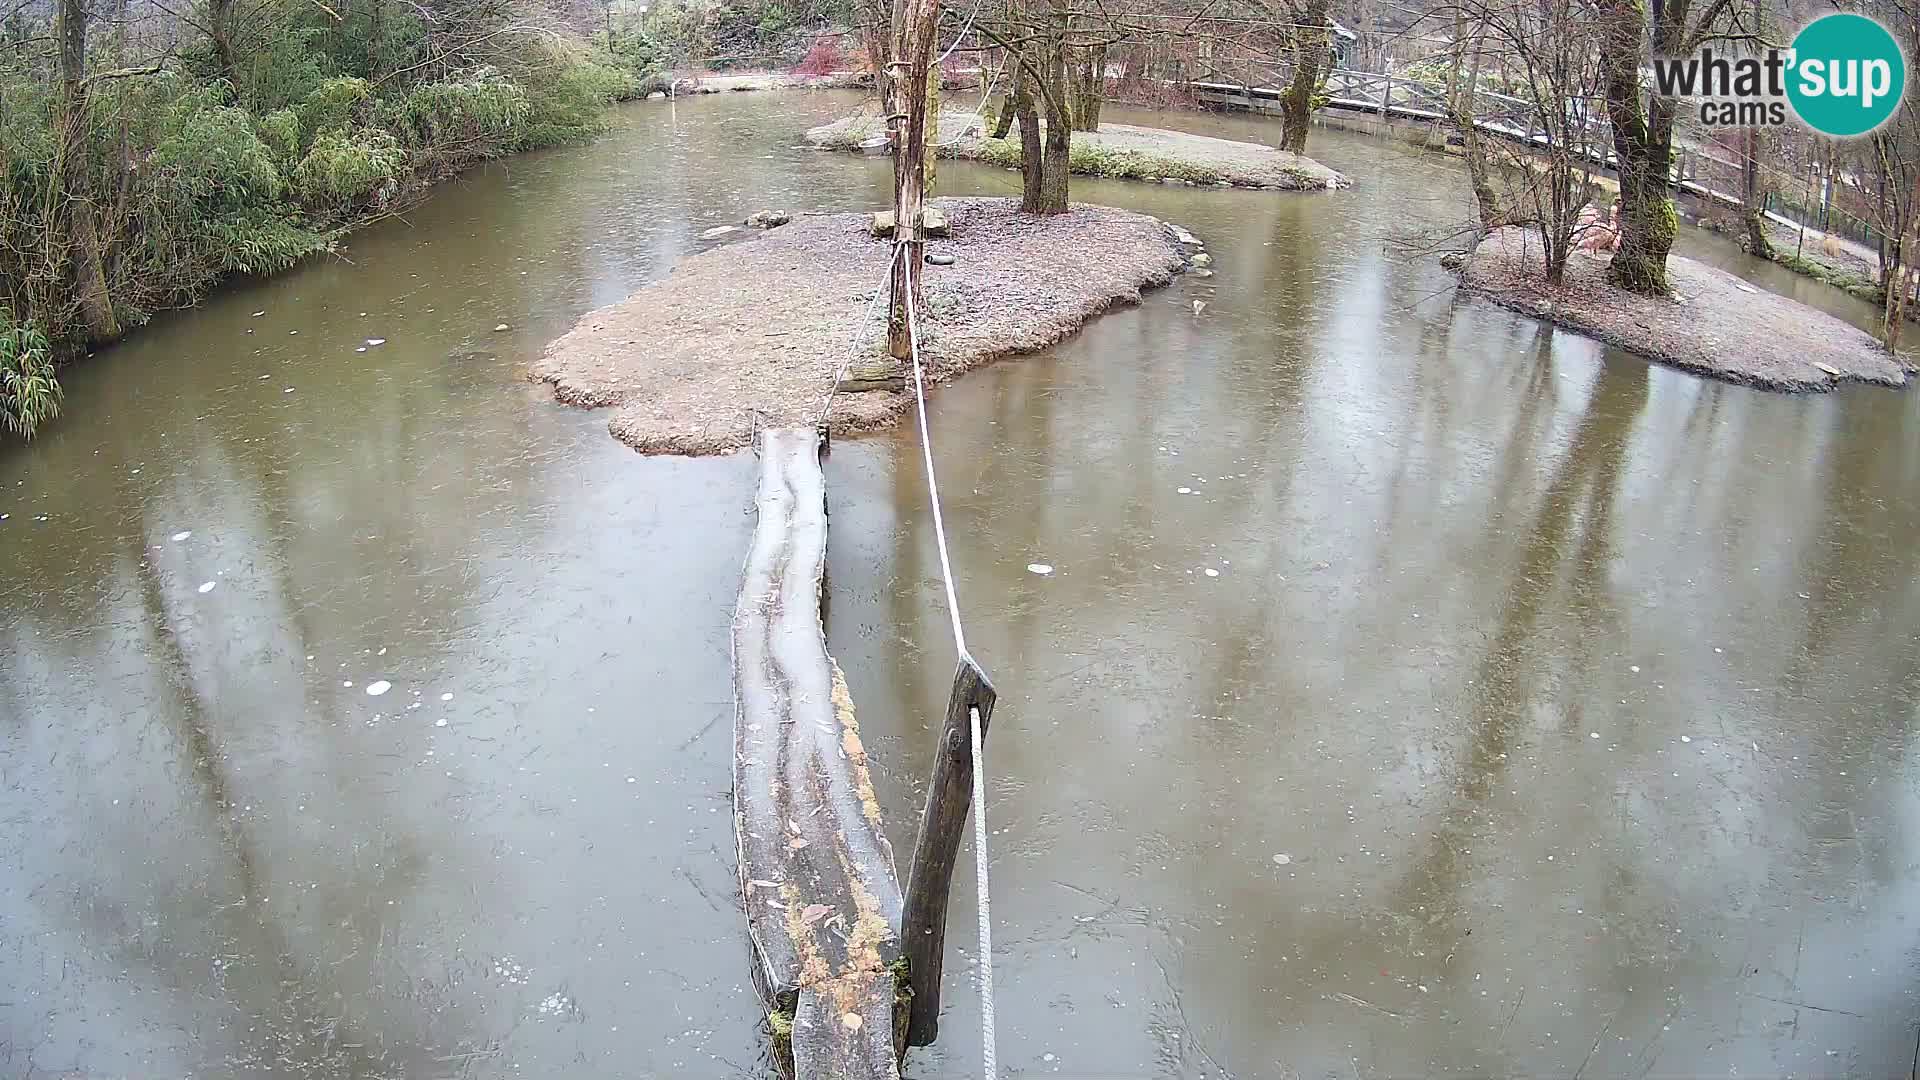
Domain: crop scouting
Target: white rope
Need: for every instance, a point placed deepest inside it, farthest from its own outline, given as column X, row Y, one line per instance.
column 853, row 347
column 979, row 111
column 926, row 451
column 964, row 31
column 991, row 1066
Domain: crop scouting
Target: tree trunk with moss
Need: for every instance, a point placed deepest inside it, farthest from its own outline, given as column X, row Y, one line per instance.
column 1312, row 51
column 930, row 152
column 1461, row 96
column 1045, row 148
column 1753, row 189
column 1089, row 86
column 1003, row 111
column 1643, row 145
column 1056, row 97
column 1753, row 199
column 1894, row 289
column 75, row 225
column 1032, row 158
column 220, row 32
column 377, row 36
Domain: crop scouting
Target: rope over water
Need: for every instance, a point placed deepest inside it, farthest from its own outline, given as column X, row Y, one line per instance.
column 990, row 1066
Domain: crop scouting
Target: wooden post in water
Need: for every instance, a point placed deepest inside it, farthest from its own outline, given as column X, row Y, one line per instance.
column 923, row 927
column 915, row 22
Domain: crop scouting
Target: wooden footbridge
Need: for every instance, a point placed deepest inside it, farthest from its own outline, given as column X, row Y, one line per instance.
column 847, row 965
column 848, row 968
column 816, row 873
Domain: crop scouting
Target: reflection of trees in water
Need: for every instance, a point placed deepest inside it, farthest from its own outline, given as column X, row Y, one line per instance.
column 298, row 1016
column 1585, row 487
column 1570, row 532
column 318, row 987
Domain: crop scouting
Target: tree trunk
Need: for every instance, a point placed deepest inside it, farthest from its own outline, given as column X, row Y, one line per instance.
column 1753, row 188
column 1460, row 102
column 377, row 33
column 1753, row 199
column 1003, row 113
column 1032, row 160
column 220, row 30
column 913, row 134
column 1089, row 86
column 1311, row 51
column 1643, row 143
column 75, row 217
column 1056, row 97
column 1053, row 177
column 1894, row 288
column 930, row 150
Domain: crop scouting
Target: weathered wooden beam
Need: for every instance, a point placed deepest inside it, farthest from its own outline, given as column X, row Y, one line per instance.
column 816, row 872
column 924, row 929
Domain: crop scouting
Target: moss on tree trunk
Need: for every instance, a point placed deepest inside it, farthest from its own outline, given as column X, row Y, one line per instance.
column 1003, row 111
column 1032, row 160
column 1643, row 145
column 1753, row 198
column 1089, row 87
column 1312, row 51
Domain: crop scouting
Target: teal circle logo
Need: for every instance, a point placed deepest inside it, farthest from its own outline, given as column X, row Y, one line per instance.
column 1848, row 75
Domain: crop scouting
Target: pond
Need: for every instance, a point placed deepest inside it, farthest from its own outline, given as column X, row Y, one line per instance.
column 1418, row 690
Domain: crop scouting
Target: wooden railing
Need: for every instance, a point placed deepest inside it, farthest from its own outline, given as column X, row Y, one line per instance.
column 1258, row 85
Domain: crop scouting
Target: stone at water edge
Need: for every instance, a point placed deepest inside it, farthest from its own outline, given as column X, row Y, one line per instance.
column 1201, row 258
column 933, row 222
column 879, row 373
column 502, row 328
column 769, row 219
column 657, row 95
column 1201, row 272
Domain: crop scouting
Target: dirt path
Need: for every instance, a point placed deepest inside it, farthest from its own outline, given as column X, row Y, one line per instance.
column 752, row 334
column 1717, row 326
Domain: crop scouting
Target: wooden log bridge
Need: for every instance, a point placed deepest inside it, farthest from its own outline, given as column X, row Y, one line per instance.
column 817, row 878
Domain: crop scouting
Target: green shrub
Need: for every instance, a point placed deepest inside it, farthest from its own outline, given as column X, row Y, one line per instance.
column 335, row 103
column 29, row 394
column 465, row 119
column 209, row 177
column 212, row 159
column 280, row 132
column 348, row 169
column 287, row 69
column 572, row 104
column 260, row 243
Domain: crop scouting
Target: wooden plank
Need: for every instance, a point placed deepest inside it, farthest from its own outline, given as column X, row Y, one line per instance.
column 816, row 873
column 941, row 826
